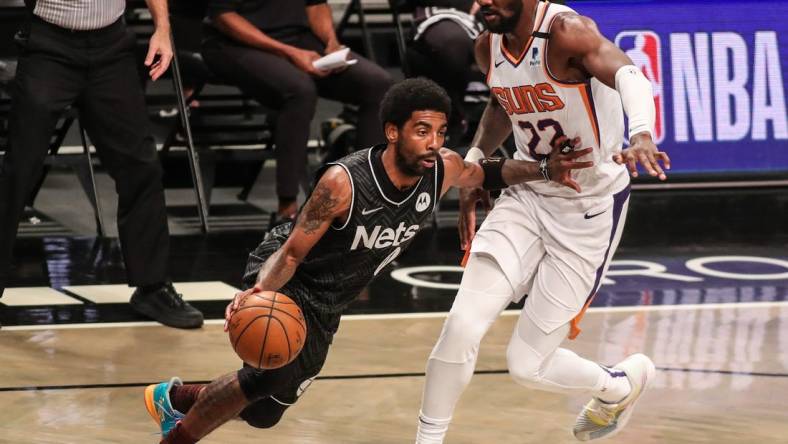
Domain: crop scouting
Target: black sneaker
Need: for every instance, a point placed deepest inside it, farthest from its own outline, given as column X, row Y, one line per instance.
column 167, row 306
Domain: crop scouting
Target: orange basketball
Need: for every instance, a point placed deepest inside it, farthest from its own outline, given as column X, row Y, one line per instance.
column 268, row 330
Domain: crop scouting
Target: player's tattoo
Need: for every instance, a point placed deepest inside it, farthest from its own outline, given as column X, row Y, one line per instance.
column 319, row 208
column 221, row 401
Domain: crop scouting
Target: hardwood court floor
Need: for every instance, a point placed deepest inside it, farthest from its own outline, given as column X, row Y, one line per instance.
column 723, row 380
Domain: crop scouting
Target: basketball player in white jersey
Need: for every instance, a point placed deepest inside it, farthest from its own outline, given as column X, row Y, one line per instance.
column 551, row 73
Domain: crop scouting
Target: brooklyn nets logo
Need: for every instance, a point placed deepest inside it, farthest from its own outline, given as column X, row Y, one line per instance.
column 423, row 202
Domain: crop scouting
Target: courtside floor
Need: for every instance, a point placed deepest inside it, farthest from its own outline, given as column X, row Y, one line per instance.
column 722, row 378
column 713, row 319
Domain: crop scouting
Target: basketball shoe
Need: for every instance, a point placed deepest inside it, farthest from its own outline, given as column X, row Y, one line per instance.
column 157, row 401
column 599, row 419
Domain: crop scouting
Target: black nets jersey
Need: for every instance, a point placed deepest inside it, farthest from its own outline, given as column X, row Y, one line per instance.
column 381, row 223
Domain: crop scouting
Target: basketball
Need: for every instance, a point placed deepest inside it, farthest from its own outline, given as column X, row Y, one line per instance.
column 268, row 330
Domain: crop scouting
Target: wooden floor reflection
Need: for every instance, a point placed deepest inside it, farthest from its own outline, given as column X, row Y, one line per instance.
column 723, row 379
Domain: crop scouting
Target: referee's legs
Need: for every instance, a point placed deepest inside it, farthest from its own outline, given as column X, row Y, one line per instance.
column 113, row 111
column 44, row 86
column 114, row 115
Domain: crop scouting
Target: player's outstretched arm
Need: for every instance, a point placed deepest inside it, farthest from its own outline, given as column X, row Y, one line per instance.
column 498, row 173
column 580, row 39
column 476, row 178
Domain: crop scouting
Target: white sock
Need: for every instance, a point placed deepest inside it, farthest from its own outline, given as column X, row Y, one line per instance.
column 536, row 361
column 431, row 430
column 614, row 385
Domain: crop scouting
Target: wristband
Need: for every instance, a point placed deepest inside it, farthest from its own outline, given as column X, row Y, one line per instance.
column 493, row 173
column 544, row 170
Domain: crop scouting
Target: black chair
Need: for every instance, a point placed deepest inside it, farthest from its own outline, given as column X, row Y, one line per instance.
column 402, row 14
column 12, row 17
column 354, row 7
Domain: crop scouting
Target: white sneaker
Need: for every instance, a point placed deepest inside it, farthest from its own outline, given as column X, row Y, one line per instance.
column 602, row 420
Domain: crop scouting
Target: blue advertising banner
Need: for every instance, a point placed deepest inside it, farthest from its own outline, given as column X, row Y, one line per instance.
column 718, row 70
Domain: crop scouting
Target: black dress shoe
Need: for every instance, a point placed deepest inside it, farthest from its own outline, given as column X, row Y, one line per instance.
column 167, row 306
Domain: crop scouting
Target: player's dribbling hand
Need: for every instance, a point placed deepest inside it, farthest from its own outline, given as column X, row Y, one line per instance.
column 560, row 164
column 644, row 151
column 232, row 307
column 467, row 220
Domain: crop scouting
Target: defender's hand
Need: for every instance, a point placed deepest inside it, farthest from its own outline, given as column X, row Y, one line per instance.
column 467, row 220
column 560, row 165
column 644, row 151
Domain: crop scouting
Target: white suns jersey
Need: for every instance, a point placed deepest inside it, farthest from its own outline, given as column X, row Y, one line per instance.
column 542, row 108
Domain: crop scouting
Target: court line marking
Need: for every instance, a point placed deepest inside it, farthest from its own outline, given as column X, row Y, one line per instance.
column 362, row 376
column 430, row 315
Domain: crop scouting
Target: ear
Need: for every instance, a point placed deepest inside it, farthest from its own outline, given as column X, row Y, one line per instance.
column 392, row 132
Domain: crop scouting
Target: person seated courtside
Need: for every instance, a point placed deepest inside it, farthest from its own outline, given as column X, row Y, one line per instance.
column 266, row 47
column 442, row 40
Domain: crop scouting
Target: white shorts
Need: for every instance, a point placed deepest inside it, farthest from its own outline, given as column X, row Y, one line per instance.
column 554, row 249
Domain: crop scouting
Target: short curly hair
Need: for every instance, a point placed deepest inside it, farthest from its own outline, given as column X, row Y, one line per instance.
column 407, row 96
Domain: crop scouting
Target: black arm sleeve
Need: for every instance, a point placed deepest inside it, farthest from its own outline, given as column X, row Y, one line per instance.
column 314, row 2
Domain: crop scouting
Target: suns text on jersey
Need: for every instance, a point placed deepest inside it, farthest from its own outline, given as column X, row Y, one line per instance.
column 527, row 99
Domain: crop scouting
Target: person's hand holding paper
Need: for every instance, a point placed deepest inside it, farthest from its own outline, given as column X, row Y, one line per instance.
column 334, row 61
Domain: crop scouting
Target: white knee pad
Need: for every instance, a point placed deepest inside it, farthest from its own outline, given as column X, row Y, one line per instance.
column 525, row 364
column 483, row 294
column 462, row 333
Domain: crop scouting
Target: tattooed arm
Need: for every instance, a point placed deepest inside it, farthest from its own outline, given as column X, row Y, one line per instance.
column 329, row 201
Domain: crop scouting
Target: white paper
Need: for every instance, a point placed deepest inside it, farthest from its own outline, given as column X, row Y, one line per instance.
column 336, row 59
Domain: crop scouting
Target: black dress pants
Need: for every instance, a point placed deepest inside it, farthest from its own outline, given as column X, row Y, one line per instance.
column 277, row 83
column 95, row 72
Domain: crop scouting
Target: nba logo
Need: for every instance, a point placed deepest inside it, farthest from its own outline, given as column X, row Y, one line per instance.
column 645, row 50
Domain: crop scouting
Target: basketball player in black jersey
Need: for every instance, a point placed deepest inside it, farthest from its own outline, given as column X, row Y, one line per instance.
column 364, row 211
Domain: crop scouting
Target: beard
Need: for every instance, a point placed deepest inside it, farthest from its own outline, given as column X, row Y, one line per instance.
column 410, row 167
column 504, row 24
